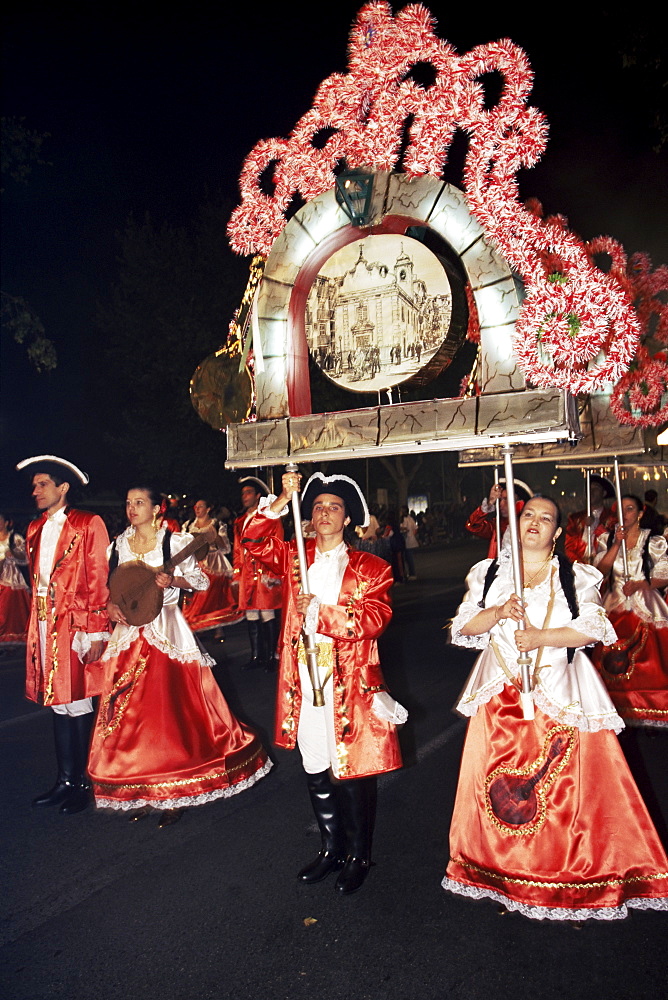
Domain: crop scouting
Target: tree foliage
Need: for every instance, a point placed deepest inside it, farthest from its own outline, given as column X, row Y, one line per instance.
column 176, row 291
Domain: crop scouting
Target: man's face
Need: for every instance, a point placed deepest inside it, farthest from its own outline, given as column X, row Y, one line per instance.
column 597, row 496
column 329, row 516
column 249, row 497
column 47, row 495
column 503, row 504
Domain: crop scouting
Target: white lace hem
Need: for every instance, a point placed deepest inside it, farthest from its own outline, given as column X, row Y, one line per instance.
column 116, row 805
column 594, row 623
column 469, row 706
column 193, row 654
column 585, row 723
column 646, row 723
column 557, row 912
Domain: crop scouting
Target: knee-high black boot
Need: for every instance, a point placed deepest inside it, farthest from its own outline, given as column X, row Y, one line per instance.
column 80, row 795
column 358, row 800
column 325, row 802
column 254, row 639
column 63, row 736
column 270, row 635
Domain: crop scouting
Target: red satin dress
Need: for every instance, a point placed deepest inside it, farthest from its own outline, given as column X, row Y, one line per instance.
column 640, row 694
column 548, row 819
column 218, row 604
column 164, row 735
column 14, row 593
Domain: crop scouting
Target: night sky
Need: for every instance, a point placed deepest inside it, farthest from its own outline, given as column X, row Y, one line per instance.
column 150, row 108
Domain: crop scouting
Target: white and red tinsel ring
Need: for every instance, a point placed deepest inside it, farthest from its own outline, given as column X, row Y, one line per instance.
column 640, row 398
column 580, row 334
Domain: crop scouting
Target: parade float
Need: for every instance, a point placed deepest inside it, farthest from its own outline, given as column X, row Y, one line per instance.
column 371, row 269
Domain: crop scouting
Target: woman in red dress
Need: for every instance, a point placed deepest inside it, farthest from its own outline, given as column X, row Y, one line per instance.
column 547, row 819
column 164, row 737
column 14, row 593
column 635, row 667
column 216, row 606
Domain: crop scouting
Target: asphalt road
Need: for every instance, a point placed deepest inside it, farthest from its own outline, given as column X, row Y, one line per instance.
column 96, row 907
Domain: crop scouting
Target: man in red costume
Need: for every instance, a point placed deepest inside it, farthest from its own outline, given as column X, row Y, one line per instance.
column 260, row 593
column 482, row 521
column 350, row 739
column 602, row 520
column 67, row 555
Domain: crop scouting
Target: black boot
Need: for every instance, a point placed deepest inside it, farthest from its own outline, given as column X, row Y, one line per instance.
column 270, row 635
column 358, row 801
column 63, row 735
column 80, row 796
column 254, row 638
column 325, row 802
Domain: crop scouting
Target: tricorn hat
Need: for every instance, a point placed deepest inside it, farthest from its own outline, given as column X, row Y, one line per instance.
column 605, row 484
column 258, row 484
column 338, row 486
column 522, row 490
column 51, row 464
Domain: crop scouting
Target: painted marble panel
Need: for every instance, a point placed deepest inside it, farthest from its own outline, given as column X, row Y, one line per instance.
column 512, row 413
column 414, row 197
column 288, row 253
column 484, row 264
column 258, row 441
column 332, row 431
column 321, row 217
column 497, row 304
column 499, row 371
column 452, row 219
column 272, row 390
column 432, row 419
column 273, row 299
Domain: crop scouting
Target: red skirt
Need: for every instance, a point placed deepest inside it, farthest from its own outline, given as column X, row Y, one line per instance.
column 165, row 737
column 548, row 820
column 14, row 613
column 213, row 607
column 640, row 695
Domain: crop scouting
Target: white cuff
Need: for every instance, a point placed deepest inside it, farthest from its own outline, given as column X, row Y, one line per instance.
column 264, row 505
column 311, row 617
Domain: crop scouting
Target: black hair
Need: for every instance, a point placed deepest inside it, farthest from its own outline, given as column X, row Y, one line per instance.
column 636, row 499
column 154, row 495
column 545, row 496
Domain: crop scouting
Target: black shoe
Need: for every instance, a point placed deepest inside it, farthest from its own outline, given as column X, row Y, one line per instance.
column 320, row 867
column 59, row 794
column 78, row 800
column 352, row 877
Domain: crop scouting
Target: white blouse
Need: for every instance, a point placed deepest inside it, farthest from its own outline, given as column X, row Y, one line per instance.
column 568, row 692
column 650, row 607
column 169, row 631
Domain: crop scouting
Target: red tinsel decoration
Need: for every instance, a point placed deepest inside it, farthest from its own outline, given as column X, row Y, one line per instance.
column 577, row 328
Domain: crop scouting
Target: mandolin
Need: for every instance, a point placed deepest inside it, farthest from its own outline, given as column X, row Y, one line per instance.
column 513, row 797
column 133, row 588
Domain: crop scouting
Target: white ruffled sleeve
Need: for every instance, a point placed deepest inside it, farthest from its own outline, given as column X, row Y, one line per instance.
column 470, row 607
column 592, row 619
column 658, row 553
column 264, row 505
column 189, row 569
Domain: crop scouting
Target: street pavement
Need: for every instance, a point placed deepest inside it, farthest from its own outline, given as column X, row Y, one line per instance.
column 97, row 908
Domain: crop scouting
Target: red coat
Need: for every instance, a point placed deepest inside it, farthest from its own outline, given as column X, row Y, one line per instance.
column 258, row 589
column 366, row 745
column 574, row 542
column 76, row 602
column 484, row 526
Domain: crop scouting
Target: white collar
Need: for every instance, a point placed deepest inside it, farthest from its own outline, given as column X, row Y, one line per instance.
column 59, row 517
column 336, row 553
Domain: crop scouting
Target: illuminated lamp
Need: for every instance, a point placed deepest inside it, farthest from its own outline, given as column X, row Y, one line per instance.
column 354, row 189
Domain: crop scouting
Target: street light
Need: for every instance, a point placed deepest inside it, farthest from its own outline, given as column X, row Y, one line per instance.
column 354, row 189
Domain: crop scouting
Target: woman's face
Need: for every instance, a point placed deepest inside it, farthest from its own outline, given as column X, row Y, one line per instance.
column 538, row 525
column 3, row 524
column 139, row 508
column 201, row 509
column 630, row 512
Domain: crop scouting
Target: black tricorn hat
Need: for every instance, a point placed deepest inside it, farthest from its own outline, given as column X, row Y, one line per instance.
column 338, row 486
column 605, row 484
column 522, row 490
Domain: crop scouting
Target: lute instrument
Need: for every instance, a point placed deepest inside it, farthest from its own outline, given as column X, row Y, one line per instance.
column 133, row 588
